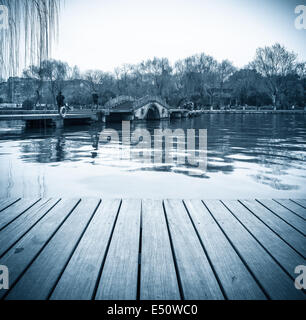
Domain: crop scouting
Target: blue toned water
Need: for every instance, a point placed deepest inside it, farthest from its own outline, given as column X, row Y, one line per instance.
column 249, row 156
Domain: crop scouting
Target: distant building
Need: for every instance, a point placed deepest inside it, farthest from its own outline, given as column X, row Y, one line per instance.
column 3, row 92
column 20, row 89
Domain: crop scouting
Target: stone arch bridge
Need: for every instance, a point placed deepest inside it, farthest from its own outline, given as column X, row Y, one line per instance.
column 146, row 108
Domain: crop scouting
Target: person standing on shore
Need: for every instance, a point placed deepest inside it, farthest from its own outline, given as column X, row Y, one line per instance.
column 95, row 99
column 60, row 99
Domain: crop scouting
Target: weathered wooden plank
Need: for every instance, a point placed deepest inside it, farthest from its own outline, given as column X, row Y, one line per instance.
column 236, row 280
column 283, row 229
column 41, row 277
column 276, row 283
column 15, row 210
column 20, row 256
column 283, row 253
column 19, row 227
column 292, row 206
column 294, row 220
column 301, row 202
column 196, row 275
column 119, row 276
column 80, row 276
column 158, row 275
column 5, row 203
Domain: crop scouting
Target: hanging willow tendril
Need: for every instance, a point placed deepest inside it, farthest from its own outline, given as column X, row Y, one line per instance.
column 32, row 28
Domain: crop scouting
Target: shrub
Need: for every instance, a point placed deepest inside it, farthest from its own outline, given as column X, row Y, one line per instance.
column 28, row 104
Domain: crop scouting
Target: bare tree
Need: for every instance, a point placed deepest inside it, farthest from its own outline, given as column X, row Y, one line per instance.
column 161, row 72
column 208, row 69
column 123, row 76
column 75, row 73
column 301, row 70
column 37, row 74
column 224, row 70
column 56, row 73
column 93, row 78
column 274, row 64
column 245, row 83
column 197, row 76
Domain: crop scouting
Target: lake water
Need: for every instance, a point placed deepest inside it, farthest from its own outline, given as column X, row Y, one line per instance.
column 249, row 156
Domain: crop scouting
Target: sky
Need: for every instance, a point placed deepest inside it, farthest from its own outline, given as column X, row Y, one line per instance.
column 104, row 34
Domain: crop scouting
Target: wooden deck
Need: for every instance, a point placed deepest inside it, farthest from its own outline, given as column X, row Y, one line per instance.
column 62, row 249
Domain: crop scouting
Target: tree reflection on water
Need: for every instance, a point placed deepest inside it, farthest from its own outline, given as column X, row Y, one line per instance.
column 270, row 148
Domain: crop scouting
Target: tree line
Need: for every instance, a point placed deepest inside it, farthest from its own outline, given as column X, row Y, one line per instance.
column 274, row 77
